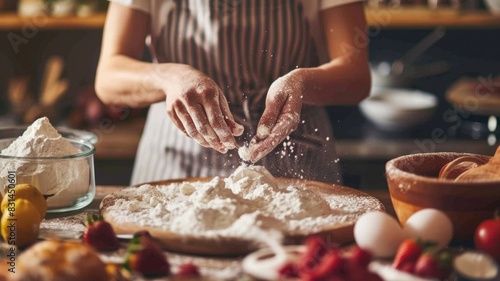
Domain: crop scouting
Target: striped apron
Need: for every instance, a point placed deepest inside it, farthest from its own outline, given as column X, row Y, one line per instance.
column 243, row 45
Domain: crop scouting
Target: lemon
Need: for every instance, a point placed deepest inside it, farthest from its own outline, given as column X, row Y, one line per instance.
column 28, row 192
column 20, row 223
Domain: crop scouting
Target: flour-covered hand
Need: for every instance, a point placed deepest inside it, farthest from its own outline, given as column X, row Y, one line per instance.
column 280, row 118
column 198, row 107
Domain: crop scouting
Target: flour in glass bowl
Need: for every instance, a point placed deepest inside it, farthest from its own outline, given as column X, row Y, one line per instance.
column 68, row 180
column 232, row 206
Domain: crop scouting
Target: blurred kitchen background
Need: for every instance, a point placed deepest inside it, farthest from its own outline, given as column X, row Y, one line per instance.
column 441, row 56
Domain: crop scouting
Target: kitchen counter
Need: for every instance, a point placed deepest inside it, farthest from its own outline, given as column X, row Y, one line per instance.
column 385, row 149
column 363, row 160
column 225, row 268
column 363, row 149
column 358, row 139
column 220, row 268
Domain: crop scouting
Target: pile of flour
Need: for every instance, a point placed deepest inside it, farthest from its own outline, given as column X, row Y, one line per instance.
column 232, row 206
column 68, row 179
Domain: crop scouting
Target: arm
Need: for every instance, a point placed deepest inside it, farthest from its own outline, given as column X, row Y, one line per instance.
column 345, row 79
column 122, row 79
column 194, row 102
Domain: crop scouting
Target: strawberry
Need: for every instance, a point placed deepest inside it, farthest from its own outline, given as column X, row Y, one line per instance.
column 433, row 265
column 100, row 235
column 407, row 253
column 289, row 270
column 361, row 274
column 188, row 270
column 407, row 266
column 145, row 257
column 331, row 264
column 370, row 276
column 316, row 247
column 144, row 237
column 336, row 278
column 148, row 262
column 360, row 257
column 143, row 233
column 356, row 264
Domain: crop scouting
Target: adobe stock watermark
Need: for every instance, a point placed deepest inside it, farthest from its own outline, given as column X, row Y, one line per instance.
column 30, row 28
column 107, row 125
column 10, row 212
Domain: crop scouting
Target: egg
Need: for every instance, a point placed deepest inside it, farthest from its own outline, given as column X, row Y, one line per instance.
column 430, row 225
column 378, row 233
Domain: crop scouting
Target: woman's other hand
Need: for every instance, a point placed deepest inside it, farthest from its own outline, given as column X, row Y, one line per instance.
column 344, row 80
column 281, row 115
column 198, row 107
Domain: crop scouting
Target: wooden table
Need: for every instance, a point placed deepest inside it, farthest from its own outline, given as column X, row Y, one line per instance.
column 219, row 268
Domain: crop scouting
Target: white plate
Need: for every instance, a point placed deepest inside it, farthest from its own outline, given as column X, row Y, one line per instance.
column 264, row 264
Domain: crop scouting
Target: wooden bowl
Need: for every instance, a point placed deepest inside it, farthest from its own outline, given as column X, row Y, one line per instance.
column 413, row 185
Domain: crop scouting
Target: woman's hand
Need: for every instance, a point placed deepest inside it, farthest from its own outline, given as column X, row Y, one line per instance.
column 281, row 115
column 198, row 107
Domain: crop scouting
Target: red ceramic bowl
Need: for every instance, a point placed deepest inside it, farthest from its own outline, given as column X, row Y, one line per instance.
column 413, row 185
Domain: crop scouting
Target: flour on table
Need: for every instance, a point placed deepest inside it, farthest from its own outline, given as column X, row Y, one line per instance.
column 233, row 206
column 68, row 180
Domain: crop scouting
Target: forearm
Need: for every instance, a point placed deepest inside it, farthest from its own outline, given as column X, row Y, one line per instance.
column 125, row 81
column 345, row 79
column 338, row 82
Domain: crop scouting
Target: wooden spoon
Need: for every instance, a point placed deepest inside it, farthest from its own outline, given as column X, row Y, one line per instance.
column 488, row 171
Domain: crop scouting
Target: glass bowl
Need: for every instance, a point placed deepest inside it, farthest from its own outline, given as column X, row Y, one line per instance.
column 68, row 182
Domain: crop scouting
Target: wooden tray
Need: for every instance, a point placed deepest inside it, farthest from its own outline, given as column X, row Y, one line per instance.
column 471, row 96
column 231, row 246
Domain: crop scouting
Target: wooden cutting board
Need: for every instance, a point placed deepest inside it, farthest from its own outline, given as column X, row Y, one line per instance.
column 475, row 96
column 231, row 246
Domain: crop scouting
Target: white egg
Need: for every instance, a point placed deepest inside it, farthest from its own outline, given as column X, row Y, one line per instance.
column 430, row 225
column 378, row 233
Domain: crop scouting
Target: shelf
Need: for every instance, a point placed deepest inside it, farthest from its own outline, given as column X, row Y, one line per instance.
column 385, row 149
column 118, row 141
column 11, row 21
column 426, row 18
column 376, row 17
